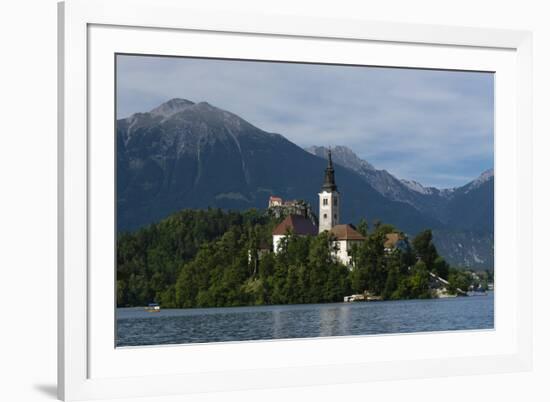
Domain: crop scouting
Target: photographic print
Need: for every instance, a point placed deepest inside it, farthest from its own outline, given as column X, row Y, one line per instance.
column 262, row 200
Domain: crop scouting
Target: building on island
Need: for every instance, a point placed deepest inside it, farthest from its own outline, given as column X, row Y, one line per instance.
column 345, row 237
column 329, row 217
column 283, row 208
column 329, row 200
column 275, row 202
column 299, row 222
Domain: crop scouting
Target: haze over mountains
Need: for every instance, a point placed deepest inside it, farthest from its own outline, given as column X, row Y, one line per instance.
column 194, row 155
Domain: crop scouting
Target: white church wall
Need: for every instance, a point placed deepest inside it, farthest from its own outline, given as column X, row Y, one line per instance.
column 276, row 240
column 342, row 253
column 329, row 210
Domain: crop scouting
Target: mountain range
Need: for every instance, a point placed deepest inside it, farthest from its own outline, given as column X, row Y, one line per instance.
column 194, row 155
column 449, row 206
column 466, row 213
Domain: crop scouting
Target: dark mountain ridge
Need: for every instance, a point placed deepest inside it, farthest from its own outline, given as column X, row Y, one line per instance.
column 198, row 156
column 193, row 155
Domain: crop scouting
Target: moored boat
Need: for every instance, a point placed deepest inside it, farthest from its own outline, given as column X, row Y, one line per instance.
column 153, row 308
column 477, row 293
column 365, row 297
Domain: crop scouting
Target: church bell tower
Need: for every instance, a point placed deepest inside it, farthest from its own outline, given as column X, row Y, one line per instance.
column 329, row 200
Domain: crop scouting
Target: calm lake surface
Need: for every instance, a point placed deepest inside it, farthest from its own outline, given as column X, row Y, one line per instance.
column 173, row 326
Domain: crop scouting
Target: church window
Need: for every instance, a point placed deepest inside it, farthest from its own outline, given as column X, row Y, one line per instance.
column 335, row 202
column 324, row 216
column 325, row 201
column 335, row 216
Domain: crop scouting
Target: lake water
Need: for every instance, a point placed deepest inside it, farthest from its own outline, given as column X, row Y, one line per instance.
column 172, row 326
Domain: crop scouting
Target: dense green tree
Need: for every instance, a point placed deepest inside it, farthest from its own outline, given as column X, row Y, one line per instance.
column 407, row 259
column 425, row 249
column 320, row 261
column 420, row 281
column 392, row 278
column 363, row 227
column 459, row 281
column 441, row 267
column 370, row 271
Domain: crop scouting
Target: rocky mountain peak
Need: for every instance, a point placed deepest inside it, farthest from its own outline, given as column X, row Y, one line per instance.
column 485, row 176
column 341, row 155
column 480, row 180
column 171, row 107
column 419, row 188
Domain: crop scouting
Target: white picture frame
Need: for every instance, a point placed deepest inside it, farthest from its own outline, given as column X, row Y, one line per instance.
column 90, row 32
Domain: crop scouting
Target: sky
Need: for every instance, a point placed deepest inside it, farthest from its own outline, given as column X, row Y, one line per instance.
column 432, row 126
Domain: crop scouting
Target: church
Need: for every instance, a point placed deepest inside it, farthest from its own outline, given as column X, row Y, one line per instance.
column 345, row 235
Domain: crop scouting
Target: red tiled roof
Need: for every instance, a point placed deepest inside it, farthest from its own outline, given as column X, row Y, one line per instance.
column 346, row 232
column 297, row 224
column 274, row 198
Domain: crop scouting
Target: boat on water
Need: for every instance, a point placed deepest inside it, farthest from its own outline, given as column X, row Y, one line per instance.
column 477, row 293
column 153, row 308
column 444, row 295
column 366, row 297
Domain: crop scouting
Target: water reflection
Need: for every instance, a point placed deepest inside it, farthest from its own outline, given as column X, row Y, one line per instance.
column 277, row 324
column 136, row 327
column 334, row 321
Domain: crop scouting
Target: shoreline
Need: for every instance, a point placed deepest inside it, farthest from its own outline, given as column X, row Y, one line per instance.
column 304, row 305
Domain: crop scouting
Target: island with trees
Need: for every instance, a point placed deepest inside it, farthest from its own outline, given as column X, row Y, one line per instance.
column 217, row 258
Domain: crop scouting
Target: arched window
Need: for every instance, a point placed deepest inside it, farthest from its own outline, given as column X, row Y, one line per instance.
column 325, row 201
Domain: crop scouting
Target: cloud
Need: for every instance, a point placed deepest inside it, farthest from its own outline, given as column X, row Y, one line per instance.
column 435, row 127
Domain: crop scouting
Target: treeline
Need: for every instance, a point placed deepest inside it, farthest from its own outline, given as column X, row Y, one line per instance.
column 150, row 260
column 211, row 258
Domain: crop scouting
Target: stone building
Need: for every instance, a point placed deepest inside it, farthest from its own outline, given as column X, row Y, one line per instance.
column 283, row 208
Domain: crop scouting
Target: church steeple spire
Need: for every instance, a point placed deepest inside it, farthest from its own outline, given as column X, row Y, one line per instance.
column 329, row 199
column 329, row 183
